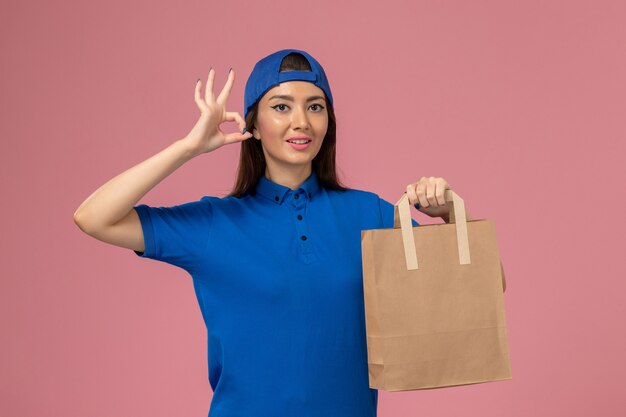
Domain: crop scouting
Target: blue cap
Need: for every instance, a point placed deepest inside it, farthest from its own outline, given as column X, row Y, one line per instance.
column 266, row 74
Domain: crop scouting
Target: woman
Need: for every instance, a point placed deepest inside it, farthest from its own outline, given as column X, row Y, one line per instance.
column 276, row 264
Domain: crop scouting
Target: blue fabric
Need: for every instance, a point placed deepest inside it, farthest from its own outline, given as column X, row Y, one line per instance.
column 278, row 277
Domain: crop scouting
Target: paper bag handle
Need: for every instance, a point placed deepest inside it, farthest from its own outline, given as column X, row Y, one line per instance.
column 458, row 216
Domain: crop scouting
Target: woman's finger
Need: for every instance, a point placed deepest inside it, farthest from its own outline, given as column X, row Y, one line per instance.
column 223, row 97
column 209, row 97
column 430, row 191
column 410, row 192
column 201, row 104
column 237, row 137
column 440, row 188
column 420, row 190
column 233, row 116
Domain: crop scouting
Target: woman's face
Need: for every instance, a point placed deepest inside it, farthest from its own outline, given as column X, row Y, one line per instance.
column 288, row 111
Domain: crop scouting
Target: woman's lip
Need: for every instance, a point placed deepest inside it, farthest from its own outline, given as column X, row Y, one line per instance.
column 299, row 146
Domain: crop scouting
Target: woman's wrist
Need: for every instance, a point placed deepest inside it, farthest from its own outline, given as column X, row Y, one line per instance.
column 190, row 152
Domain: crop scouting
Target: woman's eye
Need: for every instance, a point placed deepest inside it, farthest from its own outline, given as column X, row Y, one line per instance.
column 281, row 107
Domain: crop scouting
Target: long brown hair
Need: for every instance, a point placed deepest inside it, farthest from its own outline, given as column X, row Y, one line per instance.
column 252, row 160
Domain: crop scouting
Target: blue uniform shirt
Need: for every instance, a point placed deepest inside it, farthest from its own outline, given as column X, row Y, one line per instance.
column 278, row 277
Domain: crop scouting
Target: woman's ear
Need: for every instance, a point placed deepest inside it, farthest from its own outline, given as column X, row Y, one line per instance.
column 256, row 134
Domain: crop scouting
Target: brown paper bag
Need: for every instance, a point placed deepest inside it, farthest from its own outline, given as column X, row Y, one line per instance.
column 434, row 305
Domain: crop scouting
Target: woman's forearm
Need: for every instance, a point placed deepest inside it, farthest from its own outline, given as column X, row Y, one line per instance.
column 114, row 200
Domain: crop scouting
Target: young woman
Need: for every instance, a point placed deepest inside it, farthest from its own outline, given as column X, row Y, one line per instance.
column 276, row 264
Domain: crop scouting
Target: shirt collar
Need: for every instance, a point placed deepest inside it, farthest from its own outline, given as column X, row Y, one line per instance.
column 277, row 192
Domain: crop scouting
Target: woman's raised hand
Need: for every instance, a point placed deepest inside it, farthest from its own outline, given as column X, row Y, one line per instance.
column 206, row 135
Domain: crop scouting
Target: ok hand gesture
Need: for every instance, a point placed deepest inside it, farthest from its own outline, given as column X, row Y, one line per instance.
column 206, row 135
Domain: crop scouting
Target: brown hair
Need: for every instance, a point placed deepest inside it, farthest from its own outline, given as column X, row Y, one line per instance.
column 252, row 160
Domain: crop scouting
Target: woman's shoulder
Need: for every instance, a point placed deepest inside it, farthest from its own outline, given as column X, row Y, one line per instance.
column 228, row 204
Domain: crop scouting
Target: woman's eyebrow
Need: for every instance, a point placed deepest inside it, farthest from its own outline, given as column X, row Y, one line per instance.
column 290, row 98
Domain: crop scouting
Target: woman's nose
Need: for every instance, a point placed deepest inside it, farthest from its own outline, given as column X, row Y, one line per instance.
column 300, row 118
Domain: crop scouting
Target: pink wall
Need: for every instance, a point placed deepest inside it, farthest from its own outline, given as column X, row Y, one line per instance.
column 519, row 105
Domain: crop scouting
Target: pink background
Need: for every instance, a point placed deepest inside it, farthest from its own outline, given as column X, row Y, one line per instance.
column 519, row 105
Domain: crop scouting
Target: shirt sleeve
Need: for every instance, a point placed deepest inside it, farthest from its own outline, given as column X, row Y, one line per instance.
column 176, row 235
column 386, row 213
